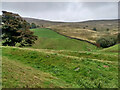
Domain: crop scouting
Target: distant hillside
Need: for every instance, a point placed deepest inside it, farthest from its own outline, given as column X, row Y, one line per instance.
column 42, row 23
column 100, row 25
column 88, row 30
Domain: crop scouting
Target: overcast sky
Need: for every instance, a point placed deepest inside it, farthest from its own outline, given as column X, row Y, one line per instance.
column 64, row 11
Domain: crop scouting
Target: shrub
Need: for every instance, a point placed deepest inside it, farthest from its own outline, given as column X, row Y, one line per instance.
column 33, row 25
column 107, row 29
column 83, row 27
column 106, row 41
column 94, row 29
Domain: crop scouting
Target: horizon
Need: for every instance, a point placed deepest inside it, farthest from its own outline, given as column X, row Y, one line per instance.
column 64, row 21
column 73, row 21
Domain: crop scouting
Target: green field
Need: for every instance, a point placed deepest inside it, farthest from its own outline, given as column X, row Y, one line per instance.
column 49, row 39
column 16, row 74
column 55, row 61
column 81, row 30
column 112, row 49
column 73, row 71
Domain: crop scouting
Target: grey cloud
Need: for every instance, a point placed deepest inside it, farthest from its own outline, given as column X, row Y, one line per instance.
column 35, row 6
column 64, row 11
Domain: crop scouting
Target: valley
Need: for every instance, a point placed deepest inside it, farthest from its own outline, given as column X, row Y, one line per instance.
column 55, row 61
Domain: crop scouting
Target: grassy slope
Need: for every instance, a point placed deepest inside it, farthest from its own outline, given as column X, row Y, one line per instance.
column 26, row 76
column 49, row 39
column 84, row 30
column 101, row 25
column 58, row 68
column 73, row 71
column 0, row 68
column 87, row 54
column 111, row 49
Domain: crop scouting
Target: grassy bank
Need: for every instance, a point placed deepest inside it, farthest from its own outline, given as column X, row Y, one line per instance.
column 49, row 39
column 75, row 72
column 55, row 61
